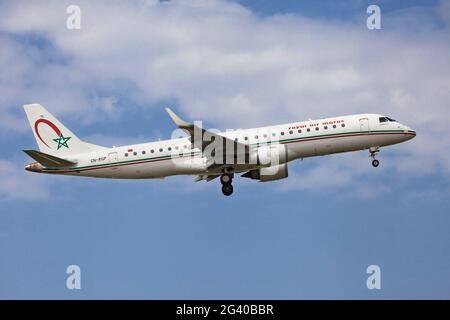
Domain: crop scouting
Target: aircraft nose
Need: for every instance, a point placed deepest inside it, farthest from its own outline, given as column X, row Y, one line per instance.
column 410, row 133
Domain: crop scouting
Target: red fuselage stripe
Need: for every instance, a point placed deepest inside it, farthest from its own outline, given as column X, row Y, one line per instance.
column 286, row 142
column 348, row 135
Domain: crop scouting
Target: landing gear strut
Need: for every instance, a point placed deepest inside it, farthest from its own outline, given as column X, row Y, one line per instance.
column 373, row 151
column 226, row 178
column 227, row 188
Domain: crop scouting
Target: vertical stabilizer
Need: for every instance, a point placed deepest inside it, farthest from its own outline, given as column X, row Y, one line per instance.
column 52, row 136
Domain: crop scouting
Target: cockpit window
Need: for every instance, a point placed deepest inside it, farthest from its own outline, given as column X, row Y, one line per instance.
column 386, row 119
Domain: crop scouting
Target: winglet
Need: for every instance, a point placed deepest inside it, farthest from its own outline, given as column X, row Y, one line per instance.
column 178, row 121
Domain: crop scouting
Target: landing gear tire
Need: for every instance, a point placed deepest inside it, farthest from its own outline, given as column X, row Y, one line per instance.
column 225, row 178
column 373, row 152
column 375, row 163
column 227, row 189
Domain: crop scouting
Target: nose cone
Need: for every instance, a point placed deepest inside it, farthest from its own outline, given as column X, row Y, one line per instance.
column 409, row 133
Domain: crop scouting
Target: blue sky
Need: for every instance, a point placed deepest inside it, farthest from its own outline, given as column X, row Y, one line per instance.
column 231, row 64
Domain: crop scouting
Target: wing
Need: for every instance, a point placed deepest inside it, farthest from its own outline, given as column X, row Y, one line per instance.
column 203, row 139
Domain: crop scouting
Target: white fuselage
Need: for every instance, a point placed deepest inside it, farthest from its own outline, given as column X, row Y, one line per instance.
column 302, row 139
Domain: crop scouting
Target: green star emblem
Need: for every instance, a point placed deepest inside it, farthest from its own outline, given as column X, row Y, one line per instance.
column 62, row 141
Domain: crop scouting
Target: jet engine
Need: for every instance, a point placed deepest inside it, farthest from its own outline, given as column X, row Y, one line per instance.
column 277, row 172
column 269, row 155
column 273, row 162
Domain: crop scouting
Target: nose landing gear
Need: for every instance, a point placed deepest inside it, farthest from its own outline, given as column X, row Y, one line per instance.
column 373, row 151
column 227, row 188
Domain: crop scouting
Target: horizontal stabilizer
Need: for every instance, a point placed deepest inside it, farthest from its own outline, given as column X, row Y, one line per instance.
column 48, row 160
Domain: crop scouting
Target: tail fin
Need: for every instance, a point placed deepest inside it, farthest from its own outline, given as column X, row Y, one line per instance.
column 52, row 136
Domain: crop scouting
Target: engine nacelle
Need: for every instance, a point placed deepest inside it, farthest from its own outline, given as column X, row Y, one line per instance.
column 269, row 155
column 276, row 172
column 273, row 161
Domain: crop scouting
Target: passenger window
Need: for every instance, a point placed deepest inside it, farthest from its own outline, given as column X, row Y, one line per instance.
column 265, row 135
column 308, row 129
column 282, row 133
column 325, row 127
column 299, row 130
column 135, row 153
column 291, row 132
column 170, row 149
column 317, row 128
column 334, row 126
column 152, row 151
column 160, row 150
column 343, row 125
column 256, row 137
column 176, row 147
column 273, row 134
column 246, row 138
column 126, row 154
column 143, row 151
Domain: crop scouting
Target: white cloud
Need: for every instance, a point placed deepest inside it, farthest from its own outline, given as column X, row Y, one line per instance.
column 227, row 66
column 345, row 175
column 17, row 184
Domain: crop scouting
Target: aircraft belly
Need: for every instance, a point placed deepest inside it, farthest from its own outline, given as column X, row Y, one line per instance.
column 336, row 145
column 148, row 170
column 302, row 149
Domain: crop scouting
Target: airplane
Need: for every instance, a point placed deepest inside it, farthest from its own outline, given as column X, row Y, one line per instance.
column 261, row 153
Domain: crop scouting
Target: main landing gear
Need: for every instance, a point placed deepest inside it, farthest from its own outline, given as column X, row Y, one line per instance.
column 227, row 188
column 373, row 152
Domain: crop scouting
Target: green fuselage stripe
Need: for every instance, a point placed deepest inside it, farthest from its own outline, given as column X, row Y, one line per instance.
column 253, row 144
column 344, row 133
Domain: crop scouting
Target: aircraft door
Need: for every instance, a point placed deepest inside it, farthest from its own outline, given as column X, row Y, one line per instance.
column 112, row 157
column 364, row 124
